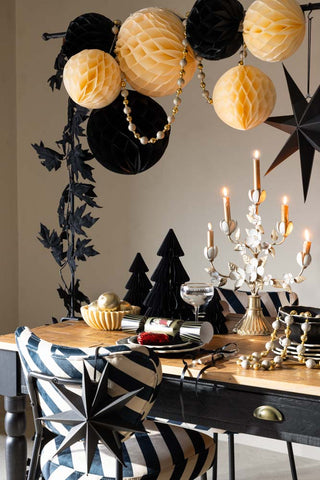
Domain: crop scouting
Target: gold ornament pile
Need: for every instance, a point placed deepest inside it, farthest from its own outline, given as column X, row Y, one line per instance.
column 107, row 312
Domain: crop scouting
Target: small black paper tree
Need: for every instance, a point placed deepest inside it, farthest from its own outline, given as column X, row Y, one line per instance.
column 138, row 284
column 164, row 299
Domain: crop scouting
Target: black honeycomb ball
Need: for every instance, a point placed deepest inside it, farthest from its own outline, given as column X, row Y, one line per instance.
column 213, row 28
column 89, row 31
column 115, row 147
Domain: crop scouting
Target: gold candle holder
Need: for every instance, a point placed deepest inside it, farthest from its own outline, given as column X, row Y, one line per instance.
column 253, row 322
column 255, row 253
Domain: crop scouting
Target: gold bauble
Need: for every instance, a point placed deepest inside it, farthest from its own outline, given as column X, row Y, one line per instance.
column 124, row 306
column 92, row 78
column 244, row 97
column 273, row 29
column 108, row 301
column 149, row 49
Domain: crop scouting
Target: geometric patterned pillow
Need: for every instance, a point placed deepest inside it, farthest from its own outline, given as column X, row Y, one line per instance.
column 237, row 301
column 130, row 369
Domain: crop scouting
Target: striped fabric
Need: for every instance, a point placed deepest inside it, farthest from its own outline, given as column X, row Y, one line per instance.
column 237, row 302
column 163, row 452
column 132, row 368
column 166, row 452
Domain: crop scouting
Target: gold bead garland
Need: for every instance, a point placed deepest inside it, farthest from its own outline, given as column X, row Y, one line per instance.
column 258, row 360
column 176, row 101
column 201, row 76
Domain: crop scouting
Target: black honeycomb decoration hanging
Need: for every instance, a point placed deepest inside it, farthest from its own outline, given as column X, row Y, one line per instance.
column 213, row 28
column 88, row 31
column 115, row 147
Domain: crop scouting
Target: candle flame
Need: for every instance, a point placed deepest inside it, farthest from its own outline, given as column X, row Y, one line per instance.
column 256, row 154
column 210, row 226
column 285, row 200
column 307, row 235
column 225, row 192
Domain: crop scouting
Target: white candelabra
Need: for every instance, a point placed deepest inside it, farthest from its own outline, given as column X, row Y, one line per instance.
column 255, row 253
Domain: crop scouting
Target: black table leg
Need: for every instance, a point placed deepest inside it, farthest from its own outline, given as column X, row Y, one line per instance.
column 16, row 444
column 231, row 455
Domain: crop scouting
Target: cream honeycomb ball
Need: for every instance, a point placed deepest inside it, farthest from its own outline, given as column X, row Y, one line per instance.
column 274, row 29
column 92, row 78
column 149, row 50
column 244, row 97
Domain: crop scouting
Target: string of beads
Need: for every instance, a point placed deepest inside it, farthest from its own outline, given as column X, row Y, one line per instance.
column 258, row 360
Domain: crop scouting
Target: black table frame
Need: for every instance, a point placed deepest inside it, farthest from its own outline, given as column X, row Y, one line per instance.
column 221, row 405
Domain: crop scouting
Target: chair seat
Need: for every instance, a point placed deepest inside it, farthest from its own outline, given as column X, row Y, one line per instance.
column 164, row 452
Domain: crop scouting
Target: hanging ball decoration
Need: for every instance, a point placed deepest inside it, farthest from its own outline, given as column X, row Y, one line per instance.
column 114, row 146
column 213, row 28
column 88, row 31
column 244, row 97
column 149, row 49
column 274, row 29
column 92, row 78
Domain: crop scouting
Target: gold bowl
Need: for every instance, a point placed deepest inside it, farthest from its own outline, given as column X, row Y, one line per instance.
column 104, row 320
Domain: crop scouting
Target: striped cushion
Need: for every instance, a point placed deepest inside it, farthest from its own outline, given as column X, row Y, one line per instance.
column 165, row 452
column 237, row 301
column 200, row 428
column 131, row 368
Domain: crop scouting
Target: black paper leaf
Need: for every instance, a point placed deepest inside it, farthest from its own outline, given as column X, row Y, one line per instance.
column 76, row 159
column 52, row 241
column 55, row 81
column 52, row 159
column 84, row 250
column 78, row 221
column 85, row 192
column 78, row 296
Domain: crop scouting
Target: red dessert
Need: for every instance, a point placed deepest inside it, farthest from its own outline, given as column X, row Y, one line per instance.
column 149, row 338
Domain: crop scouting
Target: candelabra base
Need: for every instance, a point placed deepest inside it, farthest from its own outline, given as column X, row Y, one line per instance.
column 253, row 322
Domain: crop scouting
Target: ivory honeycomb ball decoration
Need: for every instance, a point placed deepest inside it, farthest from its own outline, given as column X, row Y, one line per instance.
column 274, row 29
column 149, row 49
column 92, row 78
column 244, row 97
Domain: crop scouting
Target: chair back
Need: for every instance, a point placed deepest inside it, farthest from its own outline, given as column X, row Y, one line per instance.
column 237, row 301
column 130, row 368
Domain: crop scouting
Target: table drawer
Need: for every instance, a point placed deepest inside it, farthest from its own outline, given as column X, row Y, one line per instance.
column 231, row 408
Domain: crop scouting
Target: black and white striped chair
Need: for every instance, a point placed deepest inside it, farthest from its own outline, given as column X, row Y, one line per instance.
column 161, row 452
column 237, row 301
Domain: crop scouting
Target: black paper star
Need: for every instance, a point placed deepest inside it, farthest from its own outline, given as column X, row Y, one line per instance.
column 304, row 129
column 94, row 416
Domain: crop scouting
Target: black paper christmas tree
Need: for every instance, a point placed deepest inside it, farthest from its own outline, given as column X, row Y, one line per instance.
column 138, row 285
column 213, row 314
column 164, row 298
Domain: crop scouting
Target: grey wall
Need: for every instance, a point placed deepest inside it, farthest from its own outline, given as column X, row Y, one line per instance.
column 8, row 190
column 182, row 191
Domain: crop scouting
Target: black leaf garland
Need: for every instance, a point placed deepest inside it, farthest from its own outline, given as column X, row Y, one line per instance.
column 66, row 245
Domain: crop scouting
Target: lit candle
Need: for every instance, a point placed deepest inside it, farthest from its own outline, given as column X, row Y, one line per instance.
column 285, row 210
column 256, row 170
column 306, row 243
column 210, row 236
column 226, row 205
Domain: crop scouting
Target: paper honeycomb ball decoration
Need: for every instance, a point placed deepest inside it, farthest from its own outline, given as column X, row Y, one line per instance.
column 213, row 28
column 244, row 97
column 115, row 147
column 149, row 49
column 274, row 29
column 92, row 78
column 88, row 31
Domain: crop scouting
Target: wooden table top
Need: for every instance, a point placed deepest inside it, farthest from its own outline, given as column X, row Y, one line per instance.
column 291, row 378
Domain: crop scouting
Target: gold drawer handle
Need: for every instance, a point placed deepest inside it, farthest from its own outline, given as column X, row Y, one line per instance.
column 266, row 412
